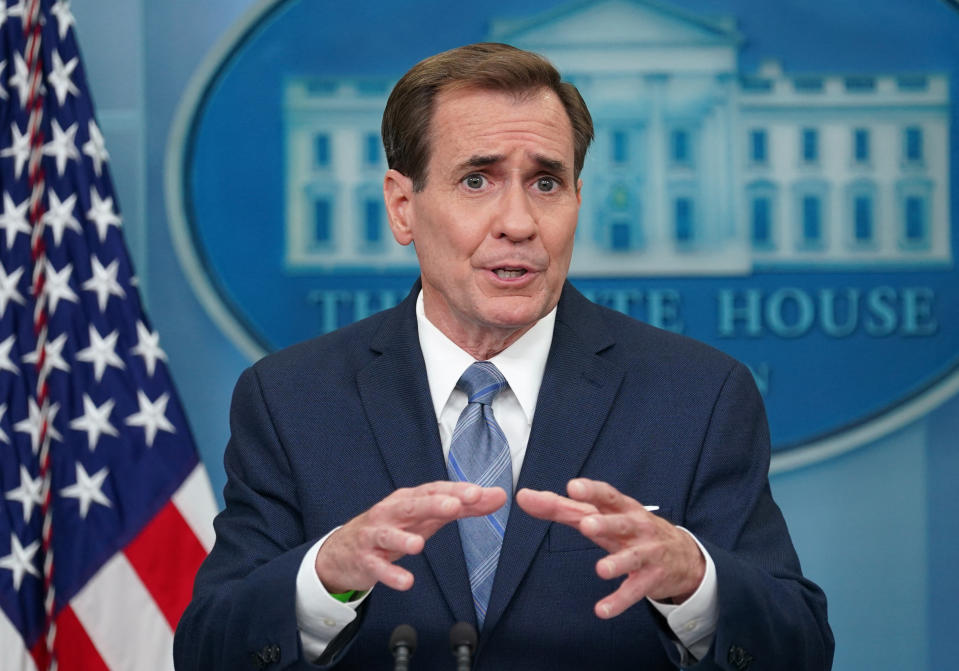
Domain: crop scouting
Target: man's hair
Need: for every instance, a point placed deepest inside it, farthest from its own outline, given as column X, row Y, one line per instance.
column 487, row 66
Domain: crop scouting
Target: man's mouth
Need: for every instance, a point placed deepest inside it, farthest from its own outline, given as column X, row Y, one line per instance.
column 509, row 273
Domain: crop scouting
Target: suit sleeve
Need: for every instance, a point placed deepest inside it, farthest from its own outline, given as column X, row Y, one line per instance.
column 770, row 616
column 242, row 615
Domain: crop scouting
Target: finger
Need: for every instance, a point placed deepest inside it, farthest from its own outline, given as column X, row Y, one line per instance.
column 467, row 492
column 630, row 592
column 387, row 573
column 626, row 560
column 410, row 510
column 394, row 541
column 603, row 495
column 553, row 507
column 490, row 500
column 615, row 530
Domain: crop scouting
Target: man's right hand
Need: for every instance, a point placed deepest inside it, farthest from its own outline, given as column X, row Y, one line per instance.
column 361, row 552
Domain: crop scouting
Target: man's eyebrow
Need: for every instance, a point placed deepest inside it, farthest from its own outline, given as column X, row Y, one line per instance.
column 552, row 165
column 480, row 161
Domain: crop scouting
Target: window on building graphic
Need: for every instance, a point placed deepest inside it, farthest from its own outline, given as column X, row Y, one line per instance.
column 860, row 145
column 620, row 140
column 860, row 84
column 685, row 230
column 912, row 144
column 620, row 235
column 912, row 82
column 862, row 219
column 762, row 234
column 811, row 220
column 758, row 150
column 372, row 220
column 809, row 145
column 680, row 151
column 321, row 150
column 373, row 150
column 915, row 231
column 808, row 84
column 322, row 221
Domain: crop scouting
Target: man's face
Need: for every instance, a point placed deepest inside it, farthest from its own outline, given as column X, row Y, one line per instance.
column 494, row 225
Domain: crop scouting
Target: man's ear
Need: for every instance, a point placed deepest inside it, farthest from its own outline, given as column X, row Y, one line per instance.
column 398, row 196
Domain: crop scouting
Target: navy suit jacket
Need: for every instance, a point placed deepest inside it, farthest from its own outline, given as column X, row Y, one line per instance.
column 323, row 430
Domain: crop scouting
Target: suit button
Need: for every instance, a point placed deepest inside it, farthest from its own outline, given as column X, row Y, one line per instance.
column 268, row 654
column 739, row 658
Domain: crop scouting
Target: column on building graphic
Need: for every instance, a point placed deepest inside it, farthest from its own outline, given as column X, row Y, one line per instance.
column 845, row 170
column 335, row 215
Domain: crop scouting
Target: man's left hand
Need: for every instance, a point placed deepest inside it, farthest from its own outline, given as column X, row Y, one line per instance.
column 659, row 560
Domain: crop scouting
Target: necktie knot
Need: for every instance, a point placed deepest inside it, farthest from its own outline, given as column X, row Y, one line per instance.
column 481, row 382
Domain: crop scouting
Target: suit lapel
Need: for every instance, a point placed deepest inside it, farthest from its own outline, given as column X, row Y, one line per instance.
column 396, row 398
column 575, row 398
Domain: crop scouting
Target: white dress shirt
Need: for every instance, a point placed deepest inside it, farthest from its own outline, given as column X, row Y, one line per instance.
column 320, row 617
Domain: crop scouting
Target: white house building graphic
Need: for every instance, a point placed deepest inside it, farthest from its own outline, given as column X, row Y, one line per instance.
column 697, row 168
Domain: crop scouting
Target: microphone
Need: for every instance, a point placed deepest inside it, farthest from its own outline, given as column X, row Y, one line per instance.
column 402, row 645
column 463, row 643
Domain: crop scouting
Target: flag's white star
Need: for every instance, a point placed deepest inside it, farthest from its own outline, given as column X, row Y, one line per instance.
column 96, row 148
column 21, row 79
column 61, row 10
column 101, row 352
column 9, row 289
column 28, row 493
column 52, row 355
column 12, row 10
column 3, row 91
column 152, row 416
column 87, row 489
column 95, row 421
column 57, row 286
column 6, row 363
column 63, row 146
column 20, row 560
column 59, row 77
column 14, row 218
column 60, row 216
column 19, row 147
column 148, row 346
column 104, row 281
column 101, row 213
column 33, row 422
column 3, row 411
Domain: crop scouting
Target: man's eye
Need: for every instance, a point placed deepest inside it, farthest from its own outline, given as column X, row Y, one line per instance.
column 474, row 181
column 546, row 184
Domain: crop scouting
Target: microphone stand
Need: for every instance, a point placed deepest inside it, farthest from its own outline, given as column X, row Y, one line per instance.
column 463, row 643
column 402, row 645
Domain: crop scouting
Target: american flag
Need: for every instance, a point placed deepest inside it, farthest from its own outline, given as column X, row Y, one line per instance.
column 105, row 510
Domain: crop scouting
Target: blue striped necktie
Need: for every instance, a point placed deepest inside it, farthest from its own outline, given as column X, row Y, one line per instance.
column 479, row 453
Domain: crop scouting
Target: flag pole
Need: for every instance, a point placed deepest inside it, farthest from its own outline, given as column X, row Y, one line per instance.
column 32, row 29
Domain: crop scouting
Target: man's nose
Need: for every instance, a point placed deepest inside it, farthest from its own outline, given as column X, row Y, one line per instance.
column 516, row 219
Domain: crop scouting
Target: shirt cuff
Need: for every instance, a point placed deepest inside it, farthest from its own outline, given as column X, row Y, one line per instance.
column 319, row 617
column 694, row 621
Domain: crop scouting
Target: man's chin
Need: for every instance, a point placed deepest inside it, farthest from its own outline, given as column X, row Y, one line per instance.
column 514, row 312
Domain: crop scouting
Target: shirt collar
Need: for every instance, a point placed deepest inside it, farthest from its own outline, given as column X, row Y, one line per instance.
column 522, row 364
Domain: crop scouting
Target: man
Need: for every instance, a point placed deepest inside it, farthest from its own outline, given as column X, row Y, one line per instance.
column 353, row 456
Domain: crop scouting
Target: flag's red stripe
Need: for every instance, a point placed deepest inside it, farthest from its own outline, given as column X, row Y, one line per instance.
column 166, row 556
column 74, row 649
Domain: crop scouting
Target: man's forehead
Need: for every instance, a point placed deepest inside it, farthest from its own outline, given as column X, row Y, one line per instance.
column 469, row 125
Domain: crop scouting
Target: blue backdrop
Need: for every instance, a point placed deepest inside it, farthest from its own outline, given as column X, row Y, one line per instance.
column 876, row 526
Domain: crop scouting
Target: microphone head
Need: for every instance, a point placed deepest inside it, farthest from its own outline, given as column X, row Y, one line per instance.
column 404, row 635
column 462, row 633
